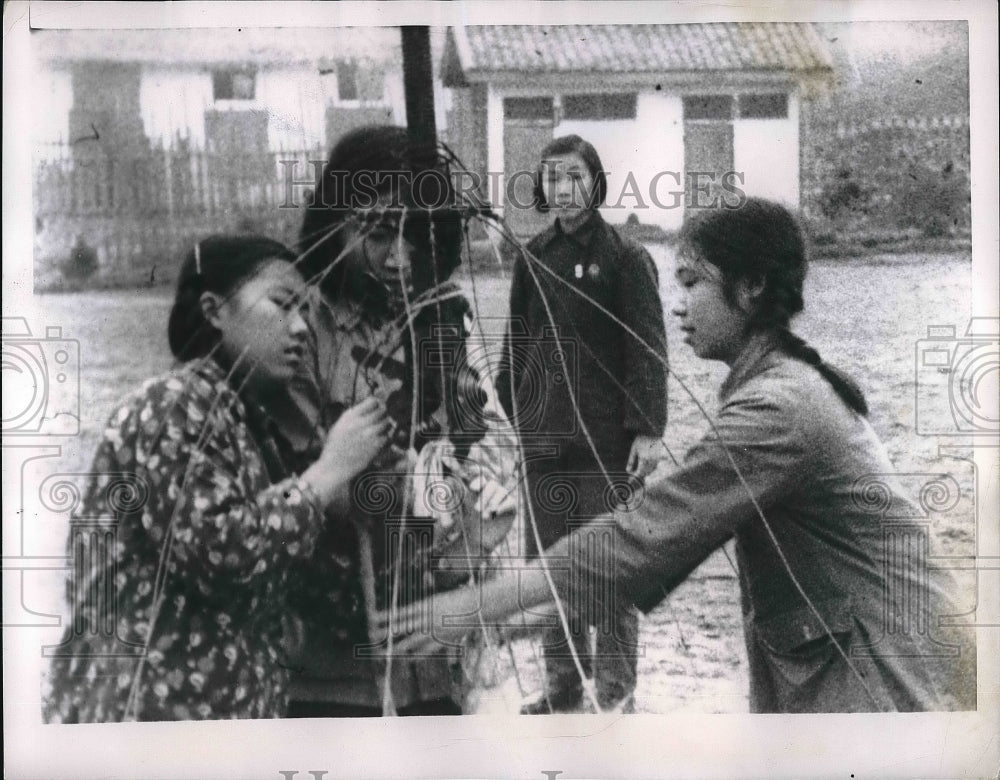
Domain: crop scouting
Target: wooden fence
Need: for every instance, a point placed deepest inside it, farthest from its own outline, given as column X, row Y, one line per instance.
column 140, row 209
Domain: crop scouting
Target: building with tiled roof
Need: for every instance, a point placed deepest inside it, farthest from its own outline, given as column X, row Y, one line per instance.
column 253, row 88
column 484, row 51
column 681, row 114
column 148, row 139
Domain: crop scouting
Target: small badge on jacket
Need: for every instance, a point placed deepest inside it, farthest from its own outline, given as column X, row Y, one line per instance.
column 578, row 271
column 594, row 272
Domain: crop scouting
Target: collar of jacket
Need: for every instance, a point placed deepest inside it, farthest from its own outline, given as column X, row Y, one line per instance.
column 218, row 382
column 209, row 371
column 750, row 362
column 584, row 233
column 205, row 378
column 345, row 315
column 244, row 408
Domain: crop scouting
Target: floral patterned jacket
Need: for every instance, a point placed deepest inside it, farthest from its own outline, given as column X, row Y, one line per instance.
column 199, row 565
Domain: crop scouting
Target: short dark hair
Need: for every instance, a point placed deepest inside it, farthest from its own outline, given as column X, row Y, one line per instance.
column 573, row 144
column 217, row 264
column 436, row 234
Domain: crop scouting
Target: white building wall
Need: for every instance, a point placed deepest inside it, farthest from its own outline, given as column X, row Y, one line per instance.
column 644, row 158
column 295, row 98
column 52, row 98
column 172, row 102
column 662, row 120
column 395, row 94
column 494, row 145
column 766, row 151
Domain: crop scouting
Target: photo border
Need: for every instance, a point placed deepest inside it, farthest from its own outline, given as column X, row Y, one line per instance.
column 567, row 747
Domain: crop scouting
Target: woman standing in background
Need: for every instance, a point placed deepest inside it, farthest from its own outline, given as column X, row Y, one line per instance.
column 594, row 293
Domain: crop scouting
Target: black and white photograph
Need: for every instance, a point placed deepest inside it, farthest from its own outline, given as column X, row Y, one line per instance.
column 501, row 389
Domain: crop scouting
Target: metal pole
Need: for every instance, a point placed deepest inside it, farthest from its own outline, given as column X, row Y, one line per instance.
column 418, row 86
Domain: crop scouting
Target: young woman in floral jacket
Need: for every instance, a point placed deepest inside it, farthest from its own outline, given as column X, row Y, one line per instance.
column 211, row 521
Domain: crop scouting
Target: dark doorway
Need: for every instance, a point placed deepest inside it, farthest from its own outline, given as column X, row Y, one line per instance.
column 708, row 148
column 527, row 128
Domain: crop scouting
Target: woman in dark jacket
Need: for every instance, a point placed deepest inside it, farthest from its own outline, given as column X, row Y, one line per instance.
column 583, row 380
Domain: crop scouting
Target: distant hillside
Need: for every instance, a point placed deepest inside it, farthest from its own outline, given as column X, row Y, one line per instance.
column 885, row 150
column 883, row 69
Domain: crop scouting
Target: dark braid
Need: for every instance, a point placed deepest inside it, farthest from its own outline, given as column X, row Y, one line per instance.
column 762, row 242
column 844, row 385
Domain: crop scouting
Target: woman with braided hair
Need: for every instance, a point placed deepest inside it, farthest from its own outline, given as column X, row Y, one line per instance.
column 781, row 469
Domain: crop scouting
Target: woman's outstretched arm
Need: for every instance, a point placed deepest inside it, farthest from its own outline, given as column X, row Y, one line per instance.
column 648, row 551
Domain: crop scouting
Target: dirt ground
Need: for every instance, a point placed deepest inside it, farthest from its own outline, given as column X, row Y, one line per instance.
column 865, row 315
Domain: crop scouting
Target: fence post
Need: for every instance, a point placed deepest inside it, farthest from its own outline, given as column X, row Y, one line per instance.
column 168, row 180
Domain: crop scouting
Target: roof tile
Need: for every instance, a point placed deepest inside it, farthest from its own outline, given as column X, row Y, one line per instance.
column 644, row 48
